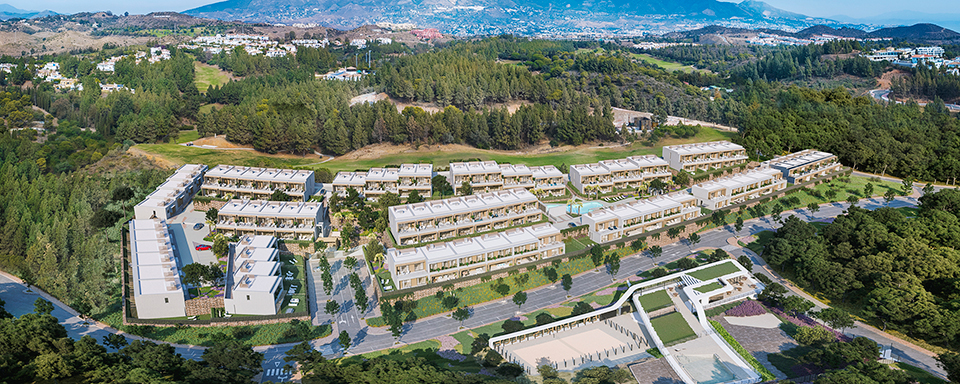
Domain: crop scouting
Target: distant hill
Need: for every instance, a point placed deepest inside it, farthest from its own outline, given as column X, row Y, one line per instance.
column 918, row 32
column 826, row 30
column 8, row 11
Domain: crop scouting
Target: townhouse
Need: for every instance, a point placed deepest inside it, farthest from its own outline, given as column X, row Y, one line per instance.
column 155, row 275
column 738, row 188
column 614, row 222
column 609, row 175
column 483, row 176
column 803, row 166
column 284, row 220
column 254, row 285
column 436, row 263
column 258, row 183
column 704, row 156
column 515, row 176
column 173, row 196
column 548, row 181
column 377, row 181
column 462, row 216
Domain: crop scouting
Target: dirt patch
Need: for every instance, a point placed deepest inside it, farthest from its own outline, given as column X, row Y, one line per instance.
column 219, row 142
column 158, row 161
column 888, row 77
column 511, row 106
column 376, row 151
column 623, row 116
column 369, row 98
column 13, row 43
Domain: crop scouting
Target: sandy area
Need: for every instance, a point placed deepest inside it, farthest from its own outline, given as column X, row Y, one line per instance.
column 622, row 116
column 160, row 161
column 12, row 43
column 766, row 320
column 219, row 142
column 888, row 77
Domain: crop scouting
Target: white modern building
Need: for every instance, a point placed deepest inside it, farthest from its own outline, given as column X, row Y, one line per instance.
column 377, row 181
column 254, row 285
column 284, row 220
column 738, row 188
column 173, row 196
column 622, row 220
column 258, row 183
column 462, row 216
column 439, row 262
column 803, row 166
column 548, row 181
column 155, row 276
column 609, row 175
column 516, row 176
column 483, row 176
column 704, row 156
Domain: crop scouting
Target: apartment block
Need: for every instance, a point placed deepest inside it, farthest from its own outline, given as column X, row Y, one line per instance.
column 377, row 181
column 483, row 176
column 436, row 263
column 173, row 196
column 462, row 216
column 254, row 285
column 806, row 165
column 704, row 156
column 548, row 180
column 614, row 222
column 155, row 275
column 738, row 188
column 610, row 175
column 258, row 183
column 284, row 220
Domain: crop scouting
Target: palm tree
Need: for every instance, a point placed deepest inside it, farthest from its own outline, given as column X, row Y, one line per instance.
column 579, row 209
column 338, row 216
column 569, row 204
column 378, row 258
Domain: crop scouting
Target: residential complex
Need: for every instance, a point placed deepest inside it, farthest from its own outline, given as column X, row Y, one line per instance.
column 285, row 220
column 173, row 196
column 258, row 183
column 548, row 180
column 614, row 222
column 377, row 181
column 155, row 277
column 483, row 176
column 704, row 156
column 462, row 216
column 609, row 175
column 470, row 256
column 254, row 285
column 803, row 166
column 738, row 188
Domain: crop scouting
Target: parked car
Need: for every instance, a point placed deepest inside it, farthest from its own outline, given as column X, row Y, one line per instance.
column 197, row 226
column 571, row 225
column 203, row 247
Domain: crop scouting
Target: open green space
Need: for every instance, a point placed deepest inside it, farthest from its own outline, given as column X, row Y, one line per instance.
column 714, row 271
column 187, row 136
column 672, row 328
column 211, row 157
column 708, row 288
column 784, row 361
column 921, row 376
column 207, row 76
column 655, row 300
column 573, row 245
column 668, row 65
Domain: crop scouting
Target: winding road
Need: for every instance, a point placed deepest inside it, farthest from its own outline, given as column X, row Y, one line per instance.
column 366, row 339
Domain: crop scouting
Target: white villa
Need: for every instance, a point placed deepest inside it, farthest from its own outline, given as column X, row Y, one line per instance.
column 704, row 156
column 614, row 222
column 629, row 173
column 738, row 188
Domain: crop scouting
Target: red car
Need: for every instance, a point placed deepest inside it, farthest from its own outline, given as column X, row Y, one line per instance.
column 203, row 247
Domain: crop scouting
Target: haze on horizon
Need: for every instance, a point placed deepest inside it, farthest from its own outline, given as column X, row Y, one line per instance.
column 817, row 8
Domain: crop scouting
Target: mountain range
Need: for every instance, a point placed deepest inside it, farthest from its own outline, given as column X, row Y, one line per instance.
column 917, row 32
column 10, row 12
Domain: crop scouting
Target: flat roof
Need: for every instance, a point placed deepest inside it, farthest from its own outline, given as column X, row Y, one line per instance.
column 641, row 207
column 256, row 283
column 511, row 170
column 159, row 286
column 350, row 178
column 698, row 148
column 740, row 180
column 258, row 254
column 261, row 174
column 157, row 271
column 798, row 159
column 416, row 170
column 465, row 204
column 475, row 167
column 546, row 171
column 472, row 246
column 264, row 208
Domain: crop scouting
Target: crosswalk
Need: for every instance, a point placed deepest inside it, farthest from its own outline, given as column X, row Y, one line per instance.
column 277, row 372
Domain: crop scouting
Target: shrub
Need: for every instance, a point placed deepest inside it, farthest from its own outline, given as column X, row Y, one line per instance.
column 747, row 308
column 813, row 335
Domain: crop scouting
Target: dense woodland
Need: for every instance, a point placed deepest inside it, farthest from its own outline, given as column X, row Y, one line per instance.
column 899, row 271
column 927, row 83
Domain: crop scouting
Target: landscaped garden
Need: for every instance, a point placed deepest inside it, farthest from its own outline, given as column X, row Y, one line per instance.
column 655, row 300
column 714, row 271
column 576, row 244
column 672, row 328
column 709, row 287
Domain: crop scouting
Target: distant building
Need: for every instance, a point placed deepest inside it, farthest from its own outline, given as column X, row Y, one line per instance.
column 483, row 176
column 805, row 165
column 427, row 34
column 610, row 175
column 377, row 181
column 704, row 156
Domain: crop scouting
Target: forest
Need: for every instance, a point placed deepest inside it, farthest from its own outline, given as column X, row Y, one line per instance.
column 898, row 271
column 927, row 83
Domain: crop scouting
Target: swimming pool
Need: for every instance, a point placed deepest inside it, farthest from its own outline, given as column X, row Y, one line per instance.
column 586, row 208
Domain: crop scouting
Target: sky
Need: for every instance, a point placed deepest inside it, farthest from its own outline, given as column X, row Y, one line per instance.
column 821, row 8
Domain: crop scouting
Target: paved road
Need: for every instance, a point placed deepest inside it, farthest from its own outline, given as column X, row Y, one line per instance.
column 367, row 339
column 883, row 94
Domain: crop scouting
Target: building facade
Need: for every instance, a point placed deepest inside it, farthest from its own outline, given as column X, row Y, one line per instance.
column 483, row 176
column 436, row 263
column 609, row 175
column 284, row 220
column 173, row 196
column 622, row 220
column 155, row 275
column 704, row 156
column 548, row 181
column 258, row 183
column 738, row 188
column 806, row 165
column 377, row 181
column 462, row 216
column 254, row 285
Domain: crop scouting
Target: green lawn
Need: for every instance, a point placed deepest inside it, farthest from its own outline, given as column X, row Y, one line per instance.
column 672, row 328
column 192, row 155
column 187, row 136
column 207, row 76
column 573, row 245
column 921, row 376
column 714, row 271
column 655, row 300
column 668, row 65
column 762, row 239
column 709, row 287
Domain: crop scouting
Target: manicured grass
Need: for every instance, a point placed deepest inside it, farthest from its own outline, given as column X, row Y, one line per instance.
column 655, row 300
column 763, row 371
column 714, row 271
column 213, row 157
column 708, row 288
column 207, row 76
column 672, row 328
column 921, row 376
column 466, row 340
column 187, row 136
column 573, row 245
column 668, row 65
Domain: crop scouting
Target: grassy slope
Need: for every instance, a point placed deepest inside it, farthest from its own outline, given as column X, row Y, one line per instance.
column 668, row 65
column 207, row 76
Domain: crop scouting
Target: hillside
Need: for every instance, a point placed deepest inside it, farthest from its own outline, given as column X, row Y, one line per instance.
column 926, row 32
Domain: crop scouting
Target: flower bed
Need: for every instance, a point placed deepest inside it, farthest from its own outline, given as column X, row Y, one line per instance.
column 747, row 308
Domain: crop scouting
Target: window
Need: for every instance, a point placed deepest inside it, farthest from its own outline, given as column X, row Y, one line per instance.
column 248, row 297
column 166, row 300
